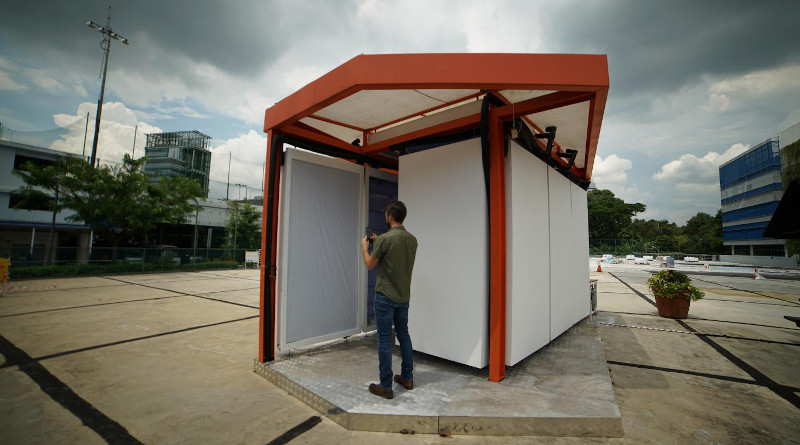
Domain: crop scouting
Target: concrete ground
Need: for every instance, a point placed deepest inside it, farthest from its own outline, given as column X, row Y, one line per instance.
column 168, row 358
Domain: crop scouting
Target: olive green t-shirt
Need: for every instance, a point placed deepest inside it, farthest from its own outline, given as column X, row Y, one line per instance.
column 395, row 251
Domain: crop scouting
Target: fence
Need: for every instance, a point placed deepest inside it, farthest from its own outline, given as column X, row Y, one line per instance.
column 640, row 248
column 72, row 261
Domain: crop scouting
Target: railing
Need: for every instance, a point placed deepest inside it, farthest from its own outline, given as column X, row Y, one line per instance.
column 72, row 261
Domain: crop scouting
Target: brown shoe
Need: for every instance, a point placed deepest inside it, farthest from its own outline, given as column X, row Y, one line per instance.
column 408, row 384
column 378, row 390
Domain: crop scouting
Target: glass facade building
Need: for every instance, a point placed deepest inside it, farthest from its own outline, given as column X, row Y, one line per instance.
column 179, row 153
column 750, row 187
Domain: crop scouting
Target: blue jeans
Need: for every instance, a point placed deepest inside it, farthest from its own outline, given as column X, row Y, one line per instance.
column 386, row 313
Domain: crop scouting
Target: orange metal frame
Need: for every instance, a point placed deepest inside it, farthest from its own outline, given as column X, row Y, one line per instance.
column 574, row 78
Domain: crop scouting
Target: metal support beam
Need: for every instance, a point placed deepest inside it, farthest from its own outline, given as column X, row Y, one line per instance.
column 497, row 251
column 269, row 251
column 543, row 103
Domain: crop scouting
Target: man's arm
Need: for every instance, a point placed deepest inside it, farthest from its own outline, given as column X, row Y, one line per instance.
column 369, row 260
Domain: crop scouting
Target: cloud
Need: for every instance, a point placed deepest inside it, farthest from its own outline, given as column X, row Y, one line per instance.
column 756, row 87
column 116, row 132
column 685, row 78
column 693, row 173
column 612, row 169
column 247, row 154
column 8, row 84
column 247, row 151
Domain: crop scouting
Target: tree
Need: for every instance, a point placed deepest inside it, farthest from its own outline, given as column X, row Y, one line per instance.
column 704, row 233
column 118, row 203
column 243, row 230
column 609, row 216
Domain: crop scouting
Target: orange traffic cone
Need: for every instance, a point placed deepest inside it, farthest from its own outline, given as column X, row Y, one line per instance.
column 599, row 269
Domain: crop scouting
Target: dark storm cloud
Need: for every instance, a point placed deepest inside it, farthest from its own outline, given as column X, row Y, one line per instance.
column 240, row 37
column 664, row 45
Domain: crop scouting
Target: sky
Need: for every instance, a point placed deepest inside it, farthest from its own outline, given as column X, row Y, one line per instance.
column 693, row 83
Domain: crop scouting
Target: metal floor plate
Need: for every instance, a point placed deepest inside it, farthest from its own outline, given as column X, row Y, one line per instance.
column 564, row 389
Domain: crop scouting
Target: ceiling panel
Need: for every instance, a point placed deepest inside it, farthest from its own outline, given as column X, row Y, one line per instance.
column 571, row 122
column 373, row 108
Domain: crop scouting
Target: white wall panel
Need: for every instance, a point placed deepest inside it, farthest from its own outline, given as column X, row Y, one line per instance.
column 444, row 191
column 527, row 249
column 581, row 302
column 561, row 253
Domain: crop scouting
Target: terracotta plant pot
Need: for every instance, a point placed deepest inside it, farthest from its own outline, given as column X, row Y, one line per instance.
column 676, row 307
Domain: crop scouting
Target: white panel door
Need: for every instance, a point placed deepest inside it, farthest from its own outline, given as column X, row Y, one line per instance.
column 443, row 189
column 321, row 276
column 561, row 254
column 527, row 253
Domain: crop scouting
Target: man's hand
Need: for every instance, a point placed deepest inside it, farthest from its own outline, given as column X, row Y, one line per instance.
column 369, row 261
column 365, row 241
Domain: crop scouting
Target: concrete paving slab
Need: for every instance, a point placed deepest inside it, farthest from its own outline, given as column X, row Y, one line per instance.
column 622, row 302
column 27, row 415
column 247, row 297
column 203, row 285
column 689, row 409
column 61, row 298
column 563, row 390
column 133, row 383
column 190, row 387
column 766, row 315
column 252, row 274
column 59, row 283
column 726, row 294
column 163, row 277
column 778, row 362
column 42, row 334
column 790, row 335
column 662, row 349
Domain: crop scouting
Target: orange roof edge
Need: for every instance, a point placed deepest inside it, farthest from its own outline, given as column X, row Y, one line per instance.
column 483, row 71
column 587, row 72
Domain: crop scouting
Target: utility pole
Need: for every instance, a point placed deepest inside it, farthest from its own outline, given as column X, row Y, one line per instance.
column 228, row 191
column 133, row 151
column 85, row 132
column 108, row 34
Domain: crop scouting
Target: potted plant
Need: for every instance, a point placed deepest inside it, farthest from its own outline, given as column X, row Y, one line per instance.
column 674, row 292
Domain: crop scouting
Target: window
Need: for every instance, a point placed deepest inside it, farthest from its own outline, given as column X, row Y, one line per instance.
column 741, row 250
column 39, row 204
column 20, row 160
column 769, row 250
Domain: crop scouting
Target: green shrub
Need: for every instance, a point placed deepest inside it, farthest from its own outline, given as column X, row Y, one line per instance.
column 671, row 283
column 71, row 270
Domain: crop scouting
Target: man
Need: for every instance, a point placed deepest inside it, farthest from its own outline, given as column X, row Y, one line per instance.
column 395, row 251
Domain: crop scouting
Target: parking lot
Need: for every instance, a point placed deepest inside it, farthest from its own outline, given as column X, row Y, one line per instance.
column 168, row 358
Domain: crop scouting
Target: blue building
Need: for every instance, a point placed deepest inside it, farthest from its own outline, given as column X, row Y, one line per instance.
column 750, row 190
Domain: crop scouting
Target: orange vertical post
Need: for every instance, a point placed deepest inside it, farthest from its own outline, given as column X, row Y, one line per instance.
column 497, row 250
column 269, row 251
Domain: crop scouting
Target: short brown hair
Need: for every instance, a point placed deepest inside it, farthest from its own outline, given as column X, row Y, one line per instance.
column 397, row 210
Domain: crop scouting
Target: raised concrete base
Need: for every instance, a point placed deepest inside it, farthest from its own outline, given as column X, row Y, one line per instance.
column 562, row 390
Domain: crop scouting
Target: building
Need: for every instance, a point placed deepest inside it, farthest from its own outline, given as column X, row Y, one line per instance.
column 750, row 189
column 178, row 153
column 25, row 234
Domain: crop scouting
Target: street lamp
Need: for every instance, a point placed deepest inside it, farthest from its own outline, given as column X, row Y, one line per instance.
column 108, row 34
column 240, row 190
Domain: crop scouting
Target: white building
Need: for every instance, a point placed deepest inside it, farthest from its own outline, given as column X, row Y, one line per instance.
column 25, row 234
